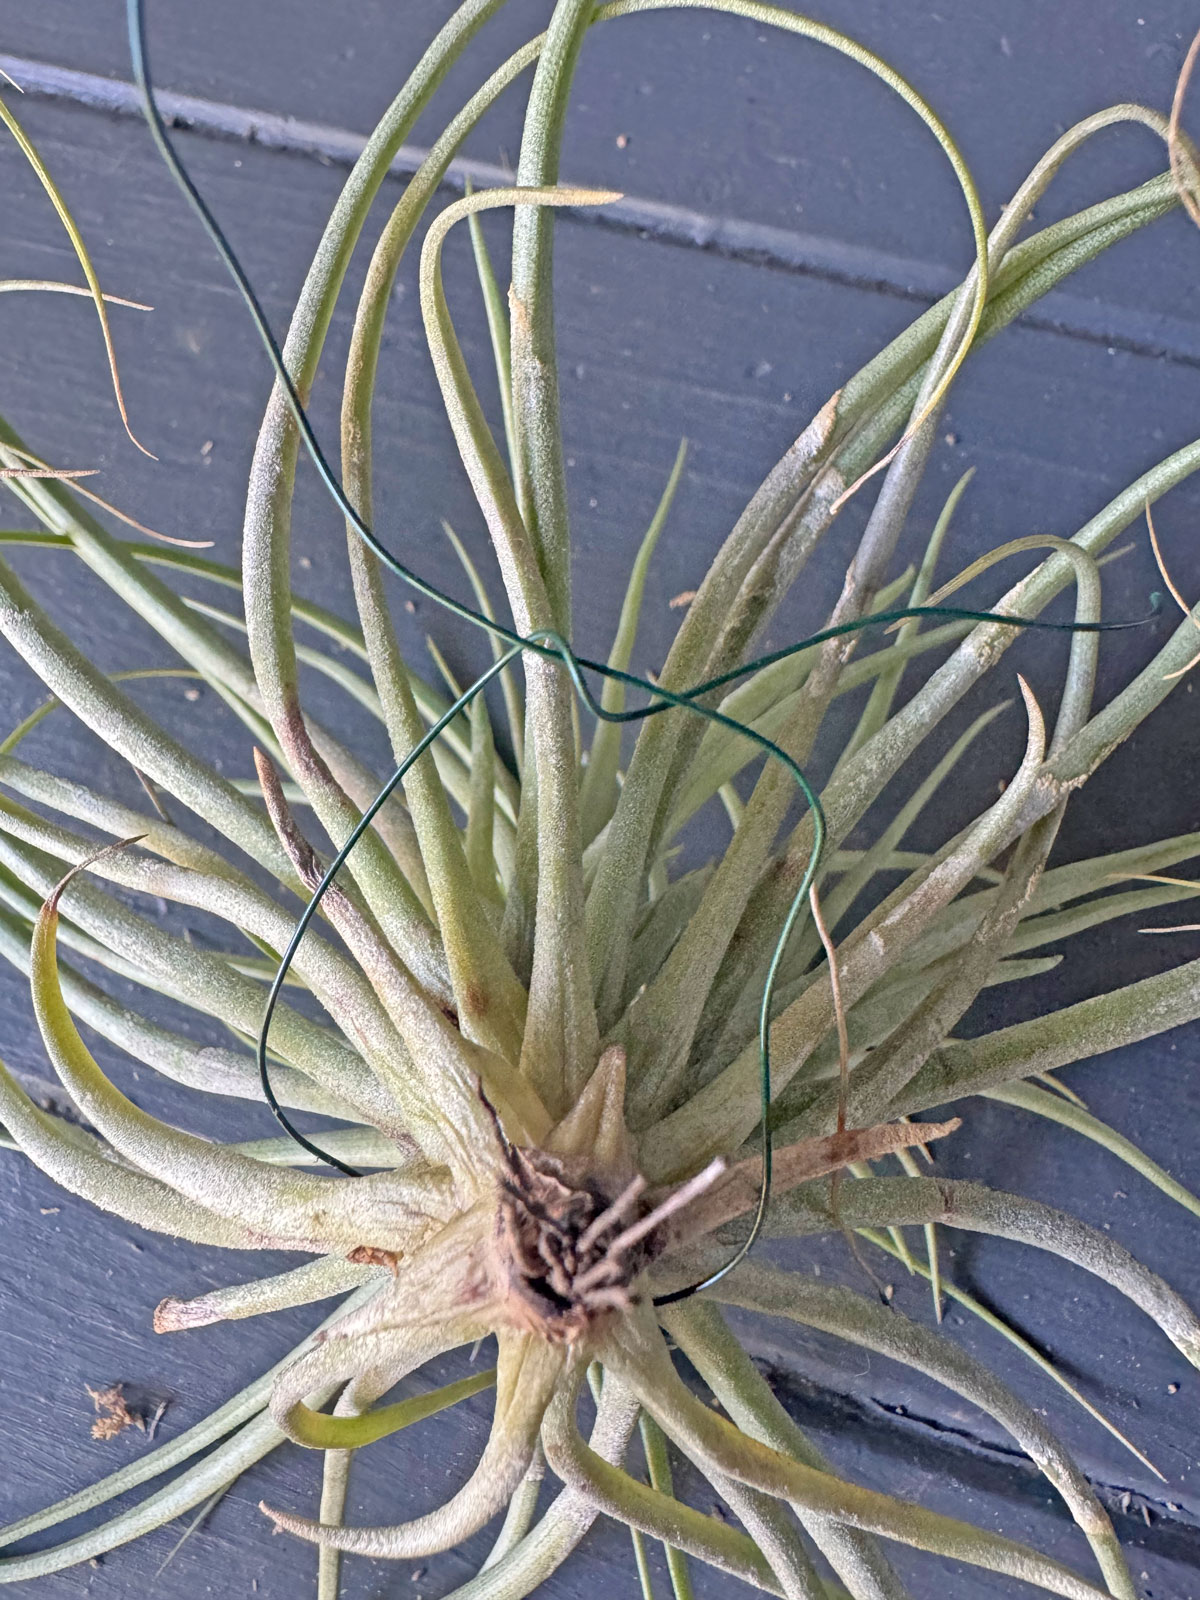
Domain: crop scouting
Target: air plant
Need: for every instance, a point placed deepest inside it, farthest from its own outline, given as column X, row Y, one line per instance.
column 568, row 1082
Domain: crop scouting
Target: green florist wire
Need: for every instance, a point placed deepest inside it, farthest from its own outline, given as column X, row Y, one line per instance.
column 549, row 645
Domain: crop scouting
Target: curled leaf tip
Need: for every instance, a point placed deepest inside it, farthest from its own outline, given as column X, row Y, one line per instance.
column 286, row 1522
column 50, row 908
column 1033, row 710
column 1181, row 155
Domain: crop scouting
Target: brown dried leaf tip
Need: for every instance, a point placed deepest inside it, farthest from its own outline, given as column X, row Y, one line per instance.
column 113, row 1413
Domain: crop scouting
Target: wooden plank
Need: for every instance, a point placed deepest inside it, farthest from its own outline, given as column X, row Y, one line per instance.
column 714, row 119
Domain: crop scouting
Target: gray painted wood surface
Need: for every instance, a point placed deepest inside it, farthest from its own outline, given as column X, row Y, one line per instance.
column 832, row 217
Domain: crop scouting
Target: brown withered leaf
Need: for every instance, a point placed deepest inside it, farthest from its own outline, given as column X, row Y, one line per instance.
column 738, row 1190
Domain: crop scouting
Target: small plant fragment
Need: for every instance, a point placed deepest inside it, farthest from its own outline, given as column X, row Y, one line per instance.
column 113, row 1415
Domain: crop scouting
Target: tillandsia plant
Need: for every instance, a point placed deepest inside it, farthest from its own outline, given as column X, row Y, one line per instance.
column 567, row 1083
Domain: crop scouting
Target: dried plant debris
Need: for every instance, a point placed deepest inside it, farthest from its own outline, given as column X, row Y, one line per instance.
column 113, row 1413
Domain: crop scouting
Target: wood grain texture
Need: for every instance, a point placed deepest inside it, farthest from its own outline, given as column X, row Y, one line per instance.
column 657, row 341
